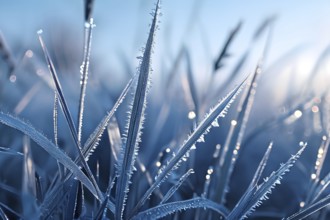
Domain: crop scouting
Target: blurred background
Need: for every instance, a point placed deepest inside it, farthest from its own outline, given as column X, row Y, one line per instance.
column 295, row 66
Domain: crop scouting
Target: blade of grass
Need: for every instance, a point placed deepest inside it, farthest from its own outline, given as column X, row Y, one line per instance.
column 229, row 153
column 163, row 210
column 254, row 196
column 67, row 114
column 224, row 51
column 84, row 73
column 130, row 147
column 47, row 145
column 309, row 210
column 211, row 120
column 177, row 185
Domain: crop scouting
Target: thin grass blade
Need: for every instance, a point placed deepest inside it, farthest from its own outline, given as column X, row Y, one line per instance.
column 218, row 63
column 163, row 210
column 309, row 210
column 47, row 145
column 254, row 197
column 130, row 147
column 211, row 120
column 261, row 167
column 67, row 113
column 177, row 185
column 84, row 72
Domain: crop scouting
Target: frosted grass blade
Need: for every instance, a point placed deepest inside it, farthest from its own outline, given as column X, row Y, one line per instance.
column 261, row 167
column 84, row 73
column 47, row 145
column 234, row 139
column 67, row 114
column 94, row 138
column 307, row 211
column 220, row 110
column 174, row 188
column 130, row 147
column 254, row 197
column 163, row 210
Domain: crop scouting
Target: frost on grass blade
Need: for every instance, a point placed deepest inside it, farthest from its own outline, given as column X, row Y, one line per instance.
column 220, row 110
column 67, row 114
column 254, row 196
column 130, row 145
column 47, row 145
column 309, row 210
column 174, row 188
column 163, row 210
column 93, row 140
column 84, row 74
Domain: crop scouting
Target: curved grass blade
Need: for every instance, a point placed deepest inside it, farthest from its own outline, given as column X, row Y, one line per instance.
column 254, row 197
column 211, row 120
column 307, row 211
column 224, row 52
column 174, row 188
column 130, row 147
column 47, row 145
column 67, row 114
column 163, row 210
column 84, row 73
column 266, row 23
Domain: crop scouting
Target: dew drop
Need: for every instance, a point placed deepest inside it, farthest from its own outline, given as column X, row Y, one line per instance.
column 313, row 176
column 191, row 115
column 29, row 53
column 302, row 204
column 298, row 113
column 12, row 78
